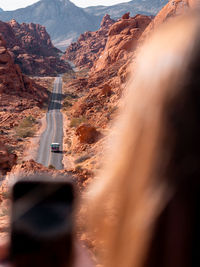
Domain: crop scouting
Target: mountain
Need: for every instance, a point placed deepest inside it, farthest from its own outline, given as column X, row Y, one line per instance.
column 64, row 21
column 146, row 7
column 1, row 10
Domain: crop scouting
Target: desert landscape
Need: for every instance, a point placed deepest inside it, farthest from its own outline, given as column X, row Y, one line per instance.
column 95, row 70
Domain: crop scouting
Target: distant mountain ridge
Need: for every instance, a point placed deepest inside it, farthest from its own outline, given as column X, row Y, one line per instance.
column 65, row 21
column 146, row 7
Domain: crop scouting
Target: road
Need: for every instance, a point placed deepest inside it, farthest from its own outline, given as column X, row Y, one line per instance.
column 54, row 130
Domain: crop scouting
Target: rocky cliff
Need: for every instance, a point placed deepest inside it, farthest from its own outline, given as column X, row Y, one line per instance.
column 122, row 40
column 12, row 81
column 7, row 160
column 171, row 9
column 89, row 45
column 30, row 46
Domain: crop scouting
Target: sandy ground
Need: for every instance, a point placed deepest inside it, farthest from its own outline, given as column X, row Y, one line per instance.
column 31, row 149
column 68, row 161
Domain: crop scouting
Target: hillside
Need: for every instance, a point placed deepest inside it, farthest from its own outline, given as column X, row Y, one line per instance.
column 65, row 22
column 98, row 93
column 31, row 48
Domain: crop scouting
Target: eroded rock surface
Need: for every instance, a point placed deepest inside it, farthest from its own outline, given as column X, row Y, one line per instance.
column 7, row 160
column 30, row 46
column 170, row 10
column 122, row 39
column 89, row 46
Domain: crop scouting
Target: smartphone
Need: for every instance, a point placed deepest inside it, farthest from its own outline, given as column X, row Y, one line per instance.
column 42, row 224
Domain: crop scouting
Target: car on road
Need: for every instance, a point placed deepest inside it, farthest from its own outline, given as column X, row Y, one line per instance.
column 55, row 147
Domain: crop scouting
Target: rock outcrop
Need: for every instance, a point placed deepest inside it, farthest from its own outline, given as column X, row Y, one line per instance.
column 122, row 40
column 12, row 81
column 89, row 45
column 33, row 38
column 7, row 160
column 170, row 10
column 30, row 46
column 87, row 134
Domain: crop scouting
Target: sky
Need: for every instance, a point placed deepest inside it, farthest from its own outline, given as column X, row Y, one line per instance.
column 15, row 4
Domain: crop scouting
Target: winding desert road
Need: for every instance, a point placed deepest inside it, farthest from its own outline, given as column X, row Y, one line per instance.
column 54, row 130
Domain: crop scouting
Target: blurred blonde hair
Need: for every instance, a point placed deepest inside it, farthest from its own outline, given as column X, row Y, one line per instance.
column 158, row 127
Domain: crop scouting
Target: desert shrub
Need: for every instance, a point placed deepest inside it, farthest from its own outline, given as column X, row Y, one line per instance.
column 69, row 76
column 26, row 127
column 26, row 132
column 67, row 104
column 70, row 96
column 51, row 167
column 82, row 159
column 75, row 122
column 78, row 168
column 28, row 122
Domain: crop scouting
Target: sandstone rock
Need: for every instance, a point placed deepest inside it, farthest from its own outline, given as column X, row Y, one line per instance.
column 126, row 16
column 13, row 82
column 87, row 134
column 89, row 45
column 172, row 9
column 122, row 39
column 7, row 160
column 31, row 47
column 106, row 90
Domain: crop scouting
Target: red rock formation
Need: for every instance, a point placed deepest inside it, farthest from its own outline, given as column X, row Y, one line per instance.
column 7, row 160
column 106, row 90
column 13, row 82
column 122, row 39
column 11, row 78
column 87, row 134
column 31, row 48
column 34, row 38
column 126, row 16
column 104, row 84
column 172, row 9
column 89, row 45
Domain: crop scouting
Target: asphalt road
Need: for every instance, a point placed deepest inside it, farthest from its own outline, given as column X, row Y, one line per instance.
column 54, row 130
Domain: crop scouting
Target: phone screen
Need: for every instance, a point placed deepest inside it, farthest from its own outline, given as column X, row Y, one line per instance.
column 42, row 224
